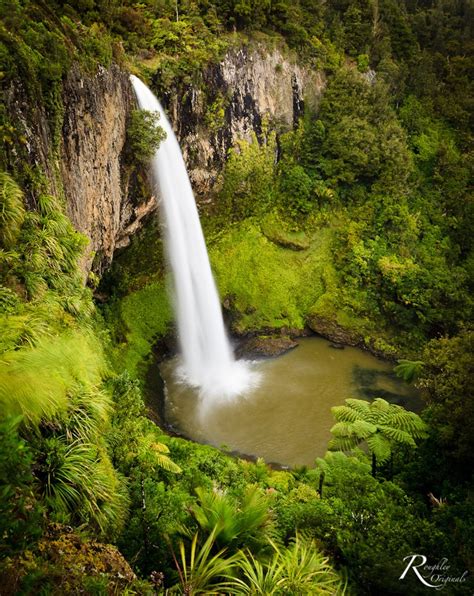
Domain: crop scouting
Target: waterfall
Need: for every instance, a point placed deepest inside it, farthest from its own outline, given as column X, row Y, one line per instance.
column 207, row 358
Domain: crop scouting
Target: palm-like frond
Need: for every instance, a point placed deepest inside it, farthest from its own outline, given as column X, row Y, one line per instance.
column 77, row 479
column 305, row 570
column 408, row 370
column 343, row 443
column 397, row 436
column 363, row 429
column 298, row 569
column 201, row 571
column 378, row 423
column 361, row 406
column 255, row 578
column 346, row 414
column 234, row 523
column 379, row 446
column 152, row 453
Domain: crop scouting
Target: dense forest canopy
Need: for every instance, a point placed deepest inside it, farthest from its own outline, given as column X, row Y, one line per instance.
column 356, row 222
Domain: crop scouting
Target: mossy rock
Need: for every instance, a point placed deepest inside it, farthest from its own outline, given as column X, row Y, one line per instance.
column 266, row 346
column 332, row 330
column 65, row 563
column 278, row 232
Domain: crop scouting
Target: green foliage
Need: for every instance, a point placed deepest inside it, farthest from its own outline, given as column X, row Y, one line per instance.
column 75, row 479
column 12, row 211
column 20, row 513
column 372, row 525
column 234, row 524
column 38, row 382
column 92, row 567
column 200, row 570
column 297, row 188
column 145, row 316
column 365, row 222
column 447, row 376
column 378, row 424
column 46, row 253
column 298, row 569
column 144, row 136
column 248, row 186
column 408, row 370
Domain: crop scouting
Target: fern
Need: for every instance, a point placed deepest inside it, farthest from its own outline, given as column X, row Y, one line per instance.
column 379, row 446
column 380, row 424
column 409, row 370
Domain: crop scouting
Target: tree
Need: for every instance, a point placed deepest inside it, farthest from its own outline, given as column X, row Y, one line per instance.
column 379, row 424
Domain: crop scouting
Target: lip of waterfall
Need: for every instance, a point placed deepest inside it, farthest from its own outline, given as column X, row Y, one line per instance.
column 208, row 362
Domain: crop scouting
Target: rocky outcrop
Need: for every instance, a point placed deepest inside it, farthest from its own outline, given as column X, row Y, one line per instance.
column 247, row 91
column 331, row 330
column 262, row 346
column 250, row 89
column 95, row 184
column 68, row 564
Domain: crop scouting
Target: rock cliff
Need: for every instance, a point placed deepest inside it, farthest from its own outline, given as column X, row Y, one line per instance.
column 81, row 157
column 251, row 88
column 81, row 154
column 95, row 184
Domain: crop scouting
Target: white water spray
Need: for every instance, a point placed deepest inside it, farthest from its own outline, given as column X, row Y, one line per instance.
column 208, row 361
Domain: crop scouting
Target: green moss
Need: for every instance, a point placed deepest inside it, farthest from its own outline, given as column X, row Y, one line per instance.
column 267, row 285
column 279, row 232
column 130, row 271
column 146, row 315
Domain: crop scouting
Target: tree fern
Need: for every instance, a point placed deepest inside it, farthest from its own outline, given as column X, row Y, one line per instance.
column 379, row 424
column 409, row 370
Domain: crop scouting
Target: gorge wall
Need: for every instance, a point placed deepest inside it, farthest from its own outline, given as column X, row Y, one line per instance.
column 80, row 152
column 82, row 155
column 249, row 90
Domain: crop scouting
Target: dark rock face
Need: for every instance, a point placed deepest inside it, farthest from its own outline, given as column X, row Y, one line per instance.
column 254, row 89
column 84, row 162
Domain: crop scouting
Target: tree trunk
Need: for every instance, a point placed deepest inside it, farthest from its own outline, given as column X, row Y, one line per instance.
column 146, row 542
column 321, row 482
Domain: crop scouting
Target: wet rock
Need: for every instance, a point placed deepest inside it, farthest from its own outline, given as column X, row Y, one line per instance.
column 96, row 110
column 262, row 346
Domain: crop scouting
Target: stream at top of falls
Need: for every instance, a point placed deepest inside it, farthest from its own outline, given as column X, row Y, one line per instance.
column 286, row 419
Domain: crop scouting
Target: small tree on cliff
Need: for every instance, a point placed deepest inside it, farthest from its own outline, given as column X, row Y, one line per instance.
column 379, row 424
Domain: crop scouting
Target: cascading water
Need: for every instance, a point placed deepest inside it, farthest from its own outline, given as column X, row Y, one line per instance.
column 208, row 360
